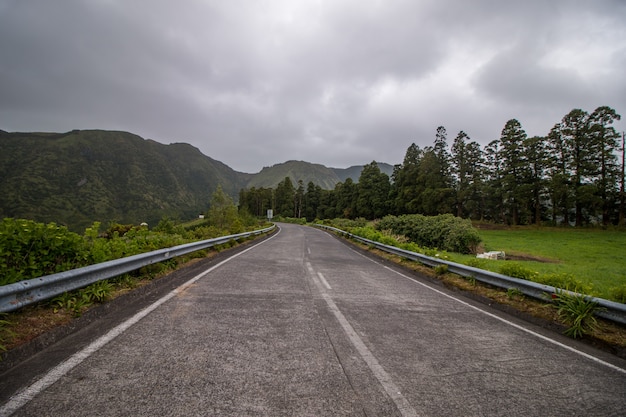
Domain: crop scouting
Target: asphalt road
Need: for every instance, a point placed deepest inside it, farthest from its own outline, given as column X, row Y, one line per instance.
column 303, row 325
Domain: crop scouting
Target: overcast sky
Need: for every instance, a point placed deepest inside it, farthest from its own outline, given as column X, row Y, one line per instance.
column 255, row 83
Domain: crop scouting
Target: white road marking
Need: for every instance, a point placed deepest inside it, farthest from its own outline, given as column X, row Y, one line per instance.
column 24, row 396
column 403, row 405
column 326, row 284
column 503, row 320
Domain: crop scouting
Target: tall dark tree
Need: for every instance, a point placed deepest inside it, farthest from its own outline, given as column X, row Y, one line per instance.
column 298, row 200
column 312, row 200
column 513, row 168
column 475, row 201
column 440, row 150
column 559, row 180
column 373, row 192
column 494, row 207
column 537, row 159
column 284, row 197
column 460, row 172
column 429, row 184
column 405, row 192
column 622, row 187
column 433, row 181
column 605, row 143
column 328, row 203
column 575, row 133
column 345, row 198
column 256, row 200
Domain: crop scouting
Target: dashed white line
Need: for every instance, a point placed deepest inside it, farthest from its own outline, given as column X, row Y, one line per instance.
column 326, row 284
column 403, row 405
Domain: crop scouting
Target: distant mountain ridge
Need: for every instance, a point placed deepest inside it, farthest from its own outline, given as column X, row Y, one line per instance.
column 82, row 176
column 325, row 177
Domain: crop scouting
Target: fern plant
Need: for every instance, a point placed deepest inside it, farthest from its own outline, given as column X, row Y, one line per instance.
column 578, row 311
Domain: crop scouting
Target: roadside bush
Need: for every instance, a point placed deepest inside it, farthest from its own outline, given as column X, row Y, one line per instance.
column 293, row 220
column 565, row 281
column 619, row 294
column 515, row 270
column 30, row 250
column 444, row 232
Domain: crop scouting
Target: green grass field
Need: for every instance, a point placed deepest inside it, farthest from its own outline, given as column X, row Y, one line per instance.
column 595, row 257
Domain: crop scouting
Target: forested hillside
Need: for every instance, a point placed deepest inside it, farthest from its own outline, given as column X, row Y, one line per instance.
column 82, row 176
column 79, row 177
column 326, row 178
column 297, row 171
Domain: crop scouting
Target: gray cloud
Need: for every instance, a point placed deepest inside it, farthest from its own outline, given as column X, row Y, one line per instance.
column 332, row 82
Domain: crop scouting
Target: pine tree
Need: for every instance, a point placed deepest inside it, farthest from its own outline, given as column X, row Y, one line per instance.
column 373, row 192
column 605, row 143
column 514, row 168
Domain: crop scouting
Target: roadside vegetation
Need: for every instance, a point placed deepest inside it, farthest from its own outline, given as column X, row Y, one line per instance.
column 581, row 260
column 527, row 260
column 29, row 250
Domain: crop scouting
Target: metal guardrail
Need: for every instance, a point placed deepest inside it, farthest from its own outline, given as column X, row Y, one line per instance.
column 610, row 310
column 23, row 293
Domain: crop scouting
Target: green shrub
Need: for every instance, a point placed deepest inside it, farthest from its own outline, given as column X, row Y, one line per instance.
column 565, row 281
column 441, row 269
column 30, row 250
column 443, row 232
column 619, row 294
column 516, row 270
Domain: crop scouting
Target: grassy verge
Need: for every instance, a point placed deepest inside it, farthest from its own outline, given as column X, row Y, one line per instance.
column 592, row 257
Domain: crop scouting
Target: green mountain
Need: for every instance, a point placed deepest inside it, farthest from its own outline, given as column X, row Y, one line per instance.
column 269, row 177
column 82, row 176
column 79, row 177
column 327, row 178
column 354, row 172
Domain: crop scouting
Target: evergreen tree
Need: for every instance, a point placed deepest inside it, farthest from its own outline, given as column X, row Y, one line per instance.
column 605, row 143
column 373, row 192
column 440, row 150
column 405, row 189
column 536, row 157
column 298, row 202
column 256, row 201
column 284, row 197
column 312, row 201
column 494, row 207
column 559, row 162
column 475, row 203
column 345, row 199
column 514, row 168
column 575, row 133
column 460, row 172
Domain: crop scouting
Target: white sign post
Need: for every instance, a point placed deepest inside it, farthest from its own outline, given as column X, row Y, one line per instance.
column 270, row 214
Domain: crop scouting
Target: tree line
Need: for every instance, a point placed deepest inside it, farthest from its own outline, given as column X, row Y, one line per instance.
column 572, row 176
